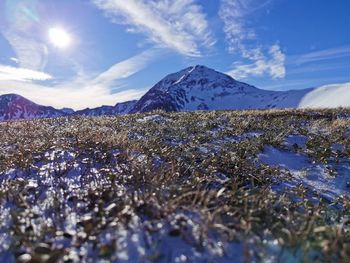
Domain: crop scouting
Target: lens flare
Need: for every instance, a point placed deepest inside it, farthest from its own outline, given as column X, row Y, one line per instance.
column 59, row 37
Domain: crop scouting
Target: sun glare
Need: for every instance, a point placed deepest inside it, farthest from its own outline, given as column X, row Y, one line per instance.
column 59, row 37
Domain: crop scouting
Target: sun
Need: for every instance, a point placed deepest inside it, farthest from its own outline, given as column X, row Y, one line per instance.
column 59, row 37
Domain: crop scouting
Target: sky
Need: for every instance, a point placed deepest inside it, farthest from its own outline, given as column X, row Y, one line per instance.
column 87, row 53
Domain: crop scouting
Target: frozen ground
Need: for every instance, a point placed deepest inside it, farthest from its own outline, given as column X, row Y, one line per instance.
column 186, row 187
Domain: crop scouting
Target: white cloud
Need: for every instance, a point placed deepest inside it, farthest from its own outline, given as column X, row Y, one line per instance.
column 21, row 74
column 80, row 92
column 177, row 24
column 68, row 94
column 274, row 65
column 242, row 40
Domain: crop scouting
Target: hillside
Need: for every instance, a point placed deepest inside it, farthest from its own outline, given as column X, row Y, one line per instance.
column 207, row 186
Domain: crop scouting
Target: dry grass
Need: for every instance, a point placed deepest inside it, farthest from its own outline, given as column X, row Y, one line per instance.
column 165, row 172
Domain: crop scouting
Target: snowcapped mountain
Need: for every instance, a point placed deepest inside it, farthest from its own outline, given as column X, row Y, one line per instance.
column 13, row 107
column 119, row 108
column 202, row 88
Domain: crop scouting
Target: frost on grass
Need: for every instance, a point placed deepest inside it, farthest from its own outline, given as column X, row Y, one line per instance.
column 317, row 177
column 244, row 186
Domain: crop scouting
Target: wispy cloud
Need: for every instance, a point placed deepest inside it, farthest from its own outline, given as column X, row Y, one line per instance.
column 240, row 37
column 81, row 92
column 303, row 83
column 126, row 68
column 301, row 69
column 31, row 54
column 68, row 94
column 242, row 40
column 321, row 55
column 22, row 22
column 232, row 13
column 178, row 24
column 21, row 74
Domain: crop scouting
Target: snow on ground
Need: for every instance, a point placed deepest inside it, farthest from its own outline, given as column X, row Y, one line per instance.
column 175, row 241
column 152, row 118
column 284, row 159
column 308, row 173
column 295, row 141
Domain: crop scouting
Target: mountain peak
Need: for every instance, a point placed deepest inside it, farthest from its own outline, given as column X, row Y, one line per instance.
column 189, row 76
column 203, row 70
column 199, row 68
column 193, row 88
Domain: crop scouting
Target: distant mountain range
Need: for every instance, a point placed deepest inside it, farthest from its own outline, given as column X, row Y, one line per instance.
column 193, row 88
column 14, row 107
column 118, row 109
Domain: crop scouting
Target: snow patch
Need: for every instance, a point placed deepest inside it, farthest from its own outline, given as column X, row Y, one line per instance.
column 315, row 176
column 329, row 96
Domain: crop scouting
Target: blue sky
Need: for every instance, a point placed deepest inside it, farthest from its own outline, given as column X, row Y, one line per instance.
column 119, row 49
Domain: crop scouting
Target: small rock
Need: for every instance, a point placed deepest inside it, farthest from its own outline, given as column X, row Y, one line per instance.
column 175, row 232
column 24, row 258
column 43, row 249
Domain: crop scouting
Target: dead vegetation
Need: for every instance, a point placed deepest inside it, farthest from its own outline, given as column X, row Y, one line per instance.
column 130, row 188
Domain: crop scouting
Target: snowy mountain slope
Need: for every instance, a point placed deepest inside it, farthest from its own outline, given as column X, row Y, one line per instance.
column 202, row 88
column 119, row 108
column 13, row 107
column 329, row 96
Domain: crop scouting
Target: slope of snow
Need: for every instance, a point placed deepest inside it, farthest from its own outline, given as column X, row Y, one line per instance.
column 329, row 96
